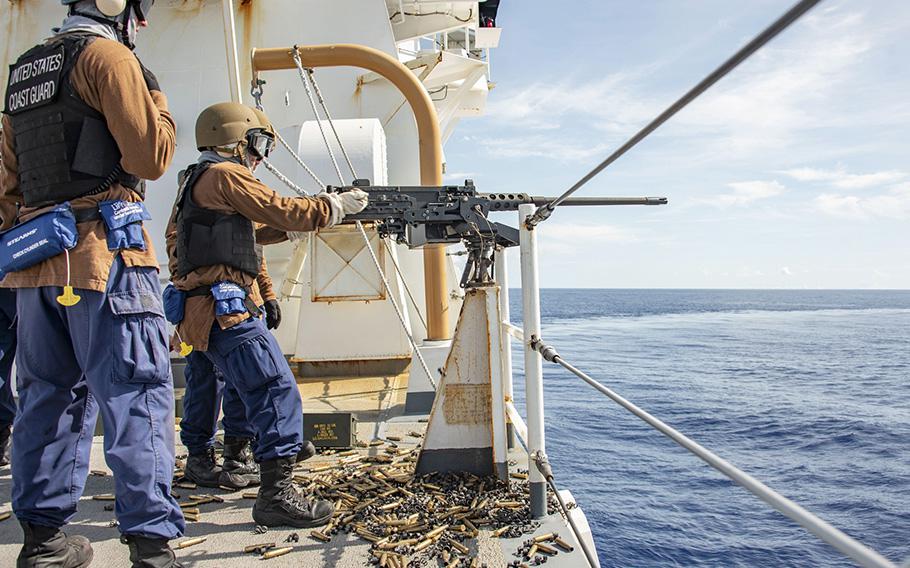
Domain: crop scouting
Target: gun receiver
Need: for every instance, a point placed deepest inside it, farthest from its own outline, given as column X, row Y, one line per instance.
column 422, row 215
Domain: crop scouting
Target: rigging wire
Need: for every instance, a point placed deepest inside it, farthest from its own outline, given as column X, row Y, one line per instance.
column 305, row 78
column 328, row 117
column 295, row 54
column 747, row 50
column 407, row 288
column 543, row 466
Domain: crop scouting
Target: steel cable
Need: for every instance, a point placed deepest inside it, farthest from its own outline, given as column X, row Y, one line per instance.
column 860, row 553
column 747, row 50
column 304, row 76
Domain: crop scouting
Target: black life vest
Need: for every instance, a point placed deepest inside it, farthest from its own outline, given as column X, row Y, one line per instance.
column 64, row 147
column 207, row 238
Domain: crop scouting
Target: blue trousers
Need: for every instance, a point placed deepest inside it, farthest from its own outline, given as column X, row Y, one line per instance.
column 252, row 362
column 7, row 354
column 106, row 354
column 205, row 395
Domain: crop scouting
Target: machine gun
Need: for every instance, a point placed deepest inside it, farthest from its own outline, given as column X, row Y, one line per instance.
column 423, row 215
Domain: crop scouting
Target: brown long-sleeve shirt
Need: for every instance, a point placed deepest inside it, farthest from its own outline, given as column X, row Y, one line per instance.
column 230, row 188
column 108, row 78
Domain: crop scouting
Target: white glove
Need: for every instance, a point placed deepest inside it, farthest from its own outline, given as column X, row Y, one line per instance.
column 354, row 201
column 336, row 209
column 342, row 204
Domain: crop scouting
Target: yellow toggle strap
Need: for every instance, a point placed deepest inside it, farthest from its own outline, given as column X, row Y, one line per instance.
column 185, row 349
column 68, row 298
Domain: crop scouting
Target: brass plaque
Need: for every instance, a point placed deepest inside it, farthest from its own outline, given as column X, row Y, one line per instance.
column 468, row 404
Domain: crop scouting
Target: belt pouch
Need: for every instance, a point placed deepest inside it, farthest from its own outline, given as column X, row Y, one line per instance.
column 38, row 239
column 174, row 303
column 123, row 220
column 229, row 298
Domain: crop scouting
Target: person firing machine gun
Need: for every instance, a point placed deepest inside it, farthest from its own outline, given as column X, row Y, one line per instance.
column 422, row 215
column 467, row 427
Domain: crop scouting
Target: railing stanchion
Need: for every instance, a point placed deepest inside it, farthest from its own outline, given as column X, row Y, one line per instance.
column 501, row 270
column 530, row 296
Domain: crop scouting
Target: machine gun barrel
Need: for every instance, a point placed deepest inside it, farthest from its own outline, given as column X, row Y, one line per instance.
column 511, row 201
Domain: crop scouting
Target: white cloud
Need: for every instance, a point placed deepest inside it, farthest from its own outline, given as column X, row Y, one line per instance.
column 745, row 192
column 542, row 147
column 893, row 204
column 785, row 270
column 842, row 179
column 588, row 233
column 459, row 177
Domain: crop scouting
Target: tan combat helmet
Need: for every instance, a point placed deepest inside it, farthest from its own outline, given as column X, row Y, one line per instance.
column 264, row 121
column 224, row 124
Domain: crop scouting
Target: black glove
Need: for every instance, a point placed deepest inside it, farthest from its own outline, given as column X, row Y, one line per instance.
column 272, row 314
column 150, row 80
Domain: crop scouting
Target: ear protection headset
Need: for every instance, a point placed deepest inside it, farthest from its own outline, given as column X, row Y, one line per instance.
column 111, row 8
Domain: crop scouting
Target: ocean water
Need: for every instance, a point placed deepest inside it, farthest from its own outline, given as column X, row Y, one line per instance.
column 809, row 391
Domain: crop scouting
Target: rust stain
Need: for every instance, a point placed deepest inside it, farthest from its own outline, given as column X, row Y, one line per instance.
column 467, row 404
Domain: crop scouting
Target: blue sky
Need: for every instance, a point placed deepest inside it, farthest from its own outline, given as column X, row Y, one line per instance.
column 792, row 172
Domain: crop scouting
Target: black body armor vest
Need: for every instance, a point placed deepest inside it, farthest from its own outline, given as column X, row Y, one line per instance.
column 63, row 146
column 207, row 238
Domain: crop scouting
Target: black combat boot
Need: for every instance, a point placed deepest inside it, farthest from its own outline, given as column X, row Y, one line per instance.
column 238, row 459
column 46, row 547
column 307, row 451
column 279, row 503
column 203, row 469
column 150, row 552
column 6, row 434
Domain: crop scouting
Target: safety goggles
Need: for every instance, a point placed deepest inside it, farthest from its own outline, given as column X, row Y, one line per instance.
column 260, row 143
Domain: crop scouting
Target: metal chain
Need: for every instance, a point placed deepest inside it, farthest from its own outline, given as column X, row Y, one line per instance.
column 256, row 93
column 305, row 78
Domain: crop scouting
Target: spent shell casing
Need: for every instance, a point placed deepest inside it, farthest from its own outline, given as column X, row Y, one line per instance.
column 274, row 553
column 99, row 473
column 546, row 549
column 186, row 485
column 6, row 515
column 458, row 546
column 437, row 531
column 250, row 495
column 517, row 475
column 563, row 544
column 498, row 532
column 103, row 497
column 319, row 535
column 190, row 510
column 190, row 542
column 423, row 544
column 259, row 547
column 545, row 537
column 531, row 551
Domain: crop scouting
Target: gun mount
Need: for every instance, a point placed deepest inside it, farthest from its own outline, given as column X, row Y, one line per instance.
column 448, row 214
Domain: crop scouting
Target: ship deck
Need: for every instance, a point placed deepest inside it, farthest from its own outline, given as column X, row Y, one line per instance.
column 228, row 528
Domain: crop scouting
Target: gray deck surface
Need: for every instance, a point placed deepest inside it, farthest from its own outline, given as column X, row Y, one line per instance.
column 228, row 526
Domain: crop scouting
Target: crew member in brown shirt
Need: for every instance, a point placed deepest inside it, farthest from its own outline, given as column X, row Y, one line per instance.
column 222, row 216
column 84, row 123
